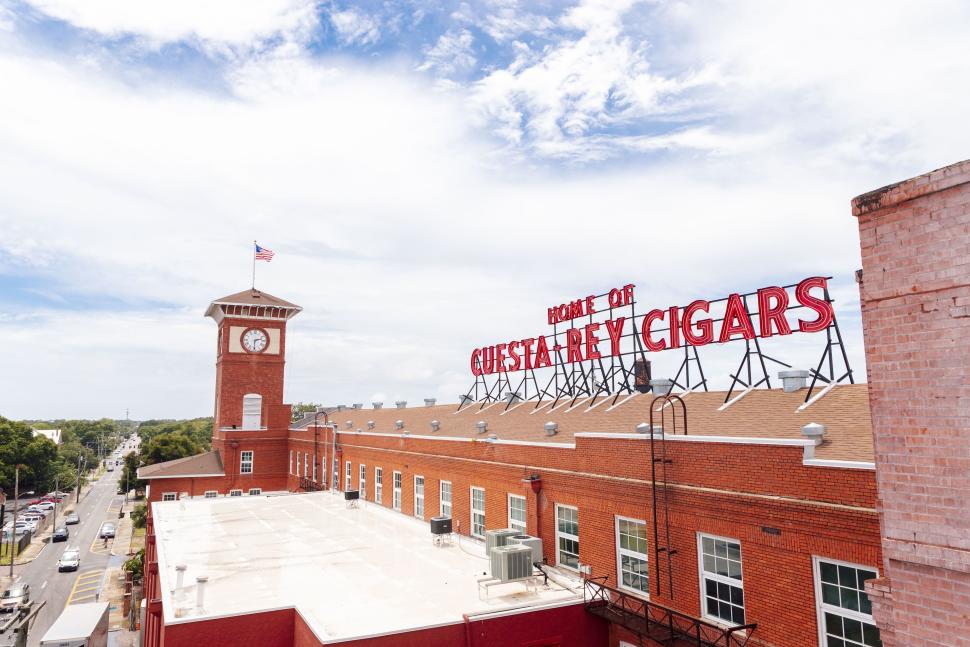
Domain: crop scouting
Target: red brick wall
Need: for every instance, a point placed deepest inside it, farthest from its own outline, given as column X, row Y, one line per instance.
column 916, row 319
column 270, row 629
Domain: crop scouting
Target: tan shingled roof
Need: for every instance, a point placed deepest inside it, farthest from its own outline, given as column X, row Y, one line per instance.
column 762, row 413
column 207, row 464
column 255, row 297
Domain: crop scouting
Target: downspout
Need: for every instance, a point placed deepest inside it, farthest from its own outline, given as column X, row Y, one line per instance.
column 468, row 630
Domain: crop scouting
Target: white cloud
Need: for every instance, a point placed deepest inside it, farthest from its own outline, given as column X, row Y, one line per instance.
column 215, row 22
column 355, row 27
column 451, row 54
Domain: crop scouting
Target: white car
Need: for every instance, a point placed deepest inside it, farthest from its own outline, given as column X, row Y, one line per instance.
column 45, row 505
column 70, row 560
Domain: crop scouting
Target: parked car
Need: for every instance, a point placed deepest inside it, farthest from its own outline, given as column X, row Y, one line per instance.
column 70, row 560
column 72, row 519
column 15, row 597
column 46, row 505
column 39, row 509
column 60, row 534
column 107, row 530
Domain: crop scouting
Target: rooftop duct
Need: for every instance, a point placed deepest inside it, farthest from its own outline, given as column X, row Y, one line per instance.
column 814, row 431
column 552, row 428
column 358, row 405
column 793, row 380
column 643, row 428
column 401, row 404
column 429, row 402
column 377, row 405
column 661, row 386
column 349, row 424
column 370, row 424
column 464, row 398
column 435, row 425
column 482, row 426
column 200, row 594
column 399, row 424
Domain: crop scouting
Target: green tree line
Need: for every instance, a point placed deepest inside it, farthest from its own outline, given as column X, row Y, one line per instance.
column 165, row 440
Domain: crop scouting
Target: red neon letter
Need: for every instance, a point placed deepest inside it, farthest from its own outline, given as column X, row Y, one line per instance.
column 615, row 299
column 736, row 320
column 592, row 341
column 705, row 326
column 628, row 294
column 527, row 351
column 590, row 305
column 542, row 353
column 651, row 345
column 614, row 327
column 573, row 339
column 768, row 314
column 476, row 362
column 488, row 360
column 824, row 309
column 514, row 356
column 551, row 315
column 674, row 326
column 500, row 358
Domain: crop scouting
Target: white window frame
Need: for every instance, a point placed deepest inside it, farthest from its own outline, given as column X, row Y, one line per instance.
column 297, row 463
column 620, row 552
column 336, row 473
column 568, row 536
column 821, row 606
column 724, row 579
column 243, row 463
column 313, row 468
column 378, row 484
column 306, row 464
column 349, row 476
column 441, row 498
column 515, row 523
column 211, row 494
column 362, row 481
column 291, row 461
column 255, row 491
column 473, row 511
column 169, row 496
column 252, row 412
column 418, row 497
column 235, row 492
column 396, row 484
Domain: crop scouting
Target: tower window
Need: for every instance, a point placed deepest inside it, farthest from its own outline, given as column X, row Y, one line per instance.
column 246, row 462
column 252, row 411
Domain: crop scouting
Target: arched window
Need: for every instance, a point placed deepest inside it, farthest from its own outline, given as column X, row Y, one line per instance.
column 252, row 411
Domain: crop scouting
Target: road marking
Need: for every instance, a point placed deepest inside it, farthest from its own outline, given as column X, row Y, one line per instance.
column 42, row 586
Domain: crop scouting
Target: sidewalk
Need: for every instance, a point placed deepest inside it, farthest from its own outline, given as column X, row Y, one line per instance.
column 126, row 543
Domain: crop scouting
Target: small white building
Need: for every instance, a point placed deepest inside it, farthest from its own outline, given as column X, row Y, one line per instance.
column 53, row 435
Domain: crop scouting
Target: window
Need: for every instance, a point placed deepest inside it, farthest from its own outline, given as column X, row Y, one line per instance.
column 517, row 512
column 419, row 497
column 297, row 463
column 314, row 470
column 168, row 496
column 362, row 482
column 722, row 588
column 378, row 484
column 255, row 491
column 306, row 465
column 844, row 610
column 246, row 462
column 336, row 474
column 347, row 476
column 396, row 502
column 567, row 536
column 235, row 492
column 478, row 512
column 211, row 494
column 291, row 462
column 631, row 555
column 444, row 498
column 252, row 411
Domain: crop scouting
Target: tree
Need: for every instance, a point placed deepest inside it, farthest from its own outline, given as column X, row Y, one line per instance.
column 169, row 446
column 301, row 408
column 36, row 454
column 129, row 474
column 139, row 515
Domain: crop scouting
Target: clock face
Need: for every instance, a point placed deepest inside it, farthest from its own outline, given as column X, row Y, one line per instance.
column 255, row 340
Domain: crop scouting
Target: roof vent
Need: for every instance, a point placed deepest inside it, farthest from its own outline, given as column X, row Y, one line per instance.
column 358, row 405
column 793, row 380
column 200, row 594
column 340, row 408
column 552, row 428
column 405, row 434
column 435, row 425
column 377, row 405
column 401, row 404
column 429, row 402
column 349, row 423
column 643, row 428
column 482, row 426
column 370, row 424
column 359, row 430
column 512, row 396
column 814, row 431
column 464, row 398
column 399, row 424
column 493, row 436
column 661, row 386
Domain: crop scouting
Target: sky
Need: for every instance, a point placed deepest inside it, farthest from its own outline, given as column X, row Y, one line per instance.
column 432, row 176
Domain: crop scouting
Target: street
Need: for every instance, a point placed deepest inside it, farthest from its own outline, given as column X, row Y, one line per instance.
column 60, row 589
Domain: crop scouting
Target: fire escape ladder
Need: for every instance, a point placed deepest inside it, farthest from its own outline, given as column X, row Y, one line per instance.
column 668, row 423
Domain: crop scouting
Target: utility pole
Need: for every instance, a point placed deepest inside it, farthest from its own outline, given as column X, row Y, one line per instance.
column 13, row 530
column 79, row 457
column 57, row 493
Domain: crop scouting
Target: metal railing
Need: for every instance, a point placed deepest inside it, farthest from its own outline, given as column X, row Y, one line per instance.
column 657, row 622
column 309, row 485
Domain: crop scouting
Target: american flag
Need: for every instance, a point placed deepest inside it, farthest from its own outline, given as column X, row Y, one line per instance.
column 263, row 254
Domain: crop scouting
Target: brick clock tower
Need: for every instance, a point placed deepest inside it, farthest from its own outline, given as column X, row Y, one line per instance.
column 251, row 422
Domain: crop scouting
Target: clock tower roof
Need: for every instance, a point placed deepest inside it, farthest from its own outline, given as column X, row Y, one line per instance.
column 252, row 303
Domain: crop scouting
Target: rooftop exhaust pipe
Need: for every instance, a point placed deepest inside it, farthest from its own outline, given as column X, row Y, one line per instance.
column 358, row 405
column 482, row 426
column 349, row 424
column 401, row 404
column 793, row 380
column 370, row 424
column 661, row 386
column 552, row 428
column 429, row 402
column 377, row 405
column 340, row 408
column 399, row 424
column 814, row 431
column 435, row 425
column 200, row 582
column 493, row 437
column 643, row 428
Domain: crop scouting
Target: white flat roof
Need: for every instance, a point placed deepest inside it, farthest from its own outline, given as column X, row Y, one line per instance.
column 350, row 573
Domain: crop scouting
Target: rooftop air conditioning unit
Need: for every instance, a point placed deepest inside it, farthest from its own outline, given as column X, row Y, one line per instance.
column 527, row 540
column 512, row 562
column 499, row 537
column 351, row 495
column 440, row 525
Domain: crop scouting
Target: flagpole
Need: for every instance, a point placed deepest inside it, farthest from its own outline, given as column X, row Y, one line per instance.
column 254, row 265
